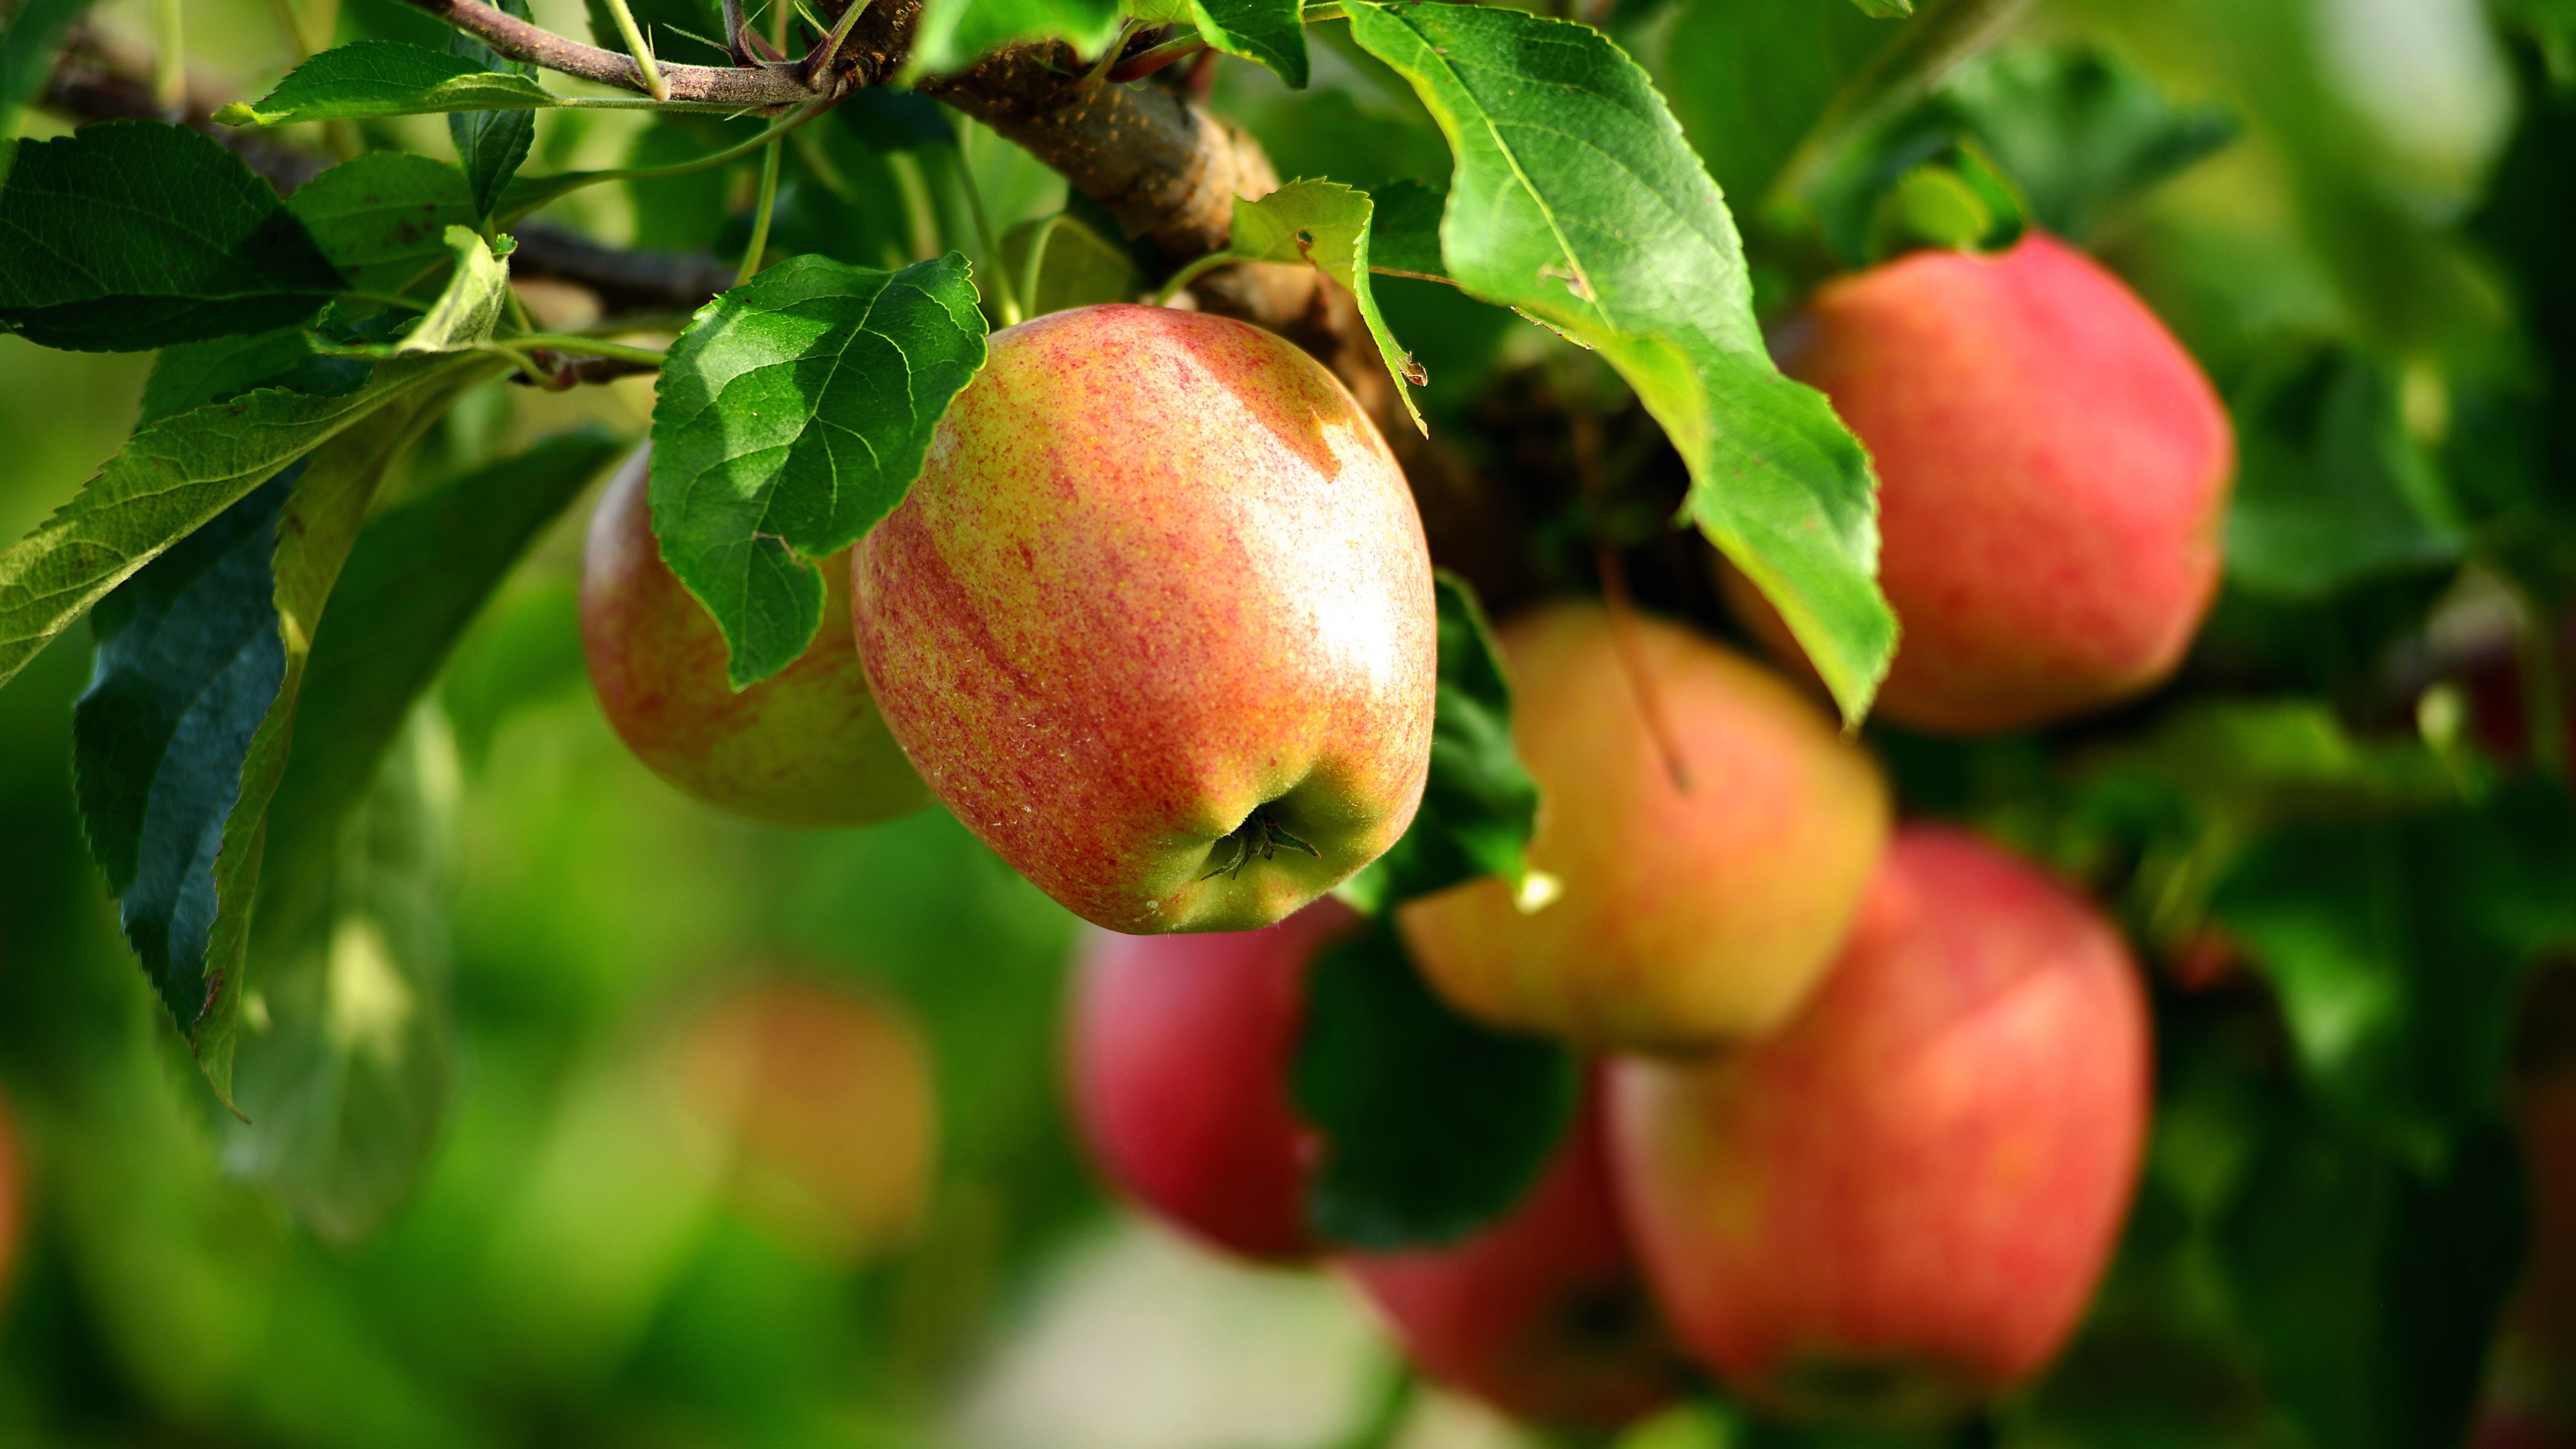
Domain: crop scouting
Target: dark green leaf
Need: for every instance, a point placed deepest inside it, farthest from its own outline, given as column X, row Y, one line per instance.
column 953, row 33
column 132, row 235
column 343, row 1074
column 1576, row 200
column 27, row 48
column 2331, row 488
column 1749, row 78
column 1480, row 804
column 1061, row 262
column 1433, row 1125
column 895, row 120
column 173, row 477
column 1327, row 224
column 491, row 144
column 1272, row 32
column 1404, row 236
column 195, row 374
column 2078, row 131
column 793, row 414
column 382, row 218
column 372, row 78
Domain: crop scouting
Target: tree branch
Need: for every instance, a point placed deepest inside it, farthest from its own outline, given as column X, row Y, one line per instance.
column 766, row 86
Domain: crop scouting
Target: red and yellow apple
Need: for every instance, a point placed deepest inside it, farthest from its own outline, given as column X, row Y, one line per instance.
column 823, row 1099
column 1156, row 621
column 2053, row 477
column 1542, row 1314
column 1693, row 910
column 803, row 747
column 1900, row 1205
column 1179, row 1051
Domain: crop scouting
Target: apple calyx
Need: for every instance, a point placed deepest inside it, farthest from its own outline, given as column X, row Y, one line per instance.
column 1260, row 835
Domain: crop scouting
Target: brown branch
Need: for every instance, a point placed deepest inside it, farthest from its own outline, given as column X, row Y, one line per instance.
column 763, row 87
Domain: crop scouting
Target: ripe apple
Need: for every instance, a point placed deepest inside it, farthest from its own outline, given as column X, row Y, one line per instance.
column 1693, row 911
column 803, row 747
column 2053, row 475
column 1179, row 1051
column 1542, row 1314
column 1156, row 622
column 1902, row 1202
column 824, row 1099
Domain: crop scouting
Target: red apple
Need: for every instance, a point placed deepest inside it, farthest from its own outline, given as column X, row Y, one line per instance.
column 2053, row 476
column 1901, row 1203
column 803, row 747
column 824, row 1098
column 1542, row 1314
column 1180, row 1049
column 1156, row 622
column 1692, row 911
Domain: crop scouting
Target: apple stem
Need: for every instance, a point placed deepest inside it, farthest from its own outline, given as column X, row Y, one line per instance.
column 1615, row 596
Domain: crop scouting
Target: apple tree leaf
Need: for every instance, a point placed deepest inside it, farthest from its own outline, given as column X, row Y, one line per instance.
column 131, row 235
column 1404, row 233
column 382, row 218
column 1576, row 201
column 1327, row 224
column 1272, row 32
column 469, row 307
column 1480, row 804
column 952, row 33
column 793, row 414
column 195, row 374
column 491, row 144
column 1062, row 261
column 1432, row 1125
column 1749, row 78
column 371, row 78
column 2332, row 489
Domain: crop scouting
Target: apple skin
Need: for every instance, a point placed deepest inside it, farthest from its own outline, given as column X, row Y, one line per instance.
column 1179, row 1050
column 825, row 1099
column 803, row 747
column 2053, row 477
column 1541, row 1315
column 1159, row 573
column 1685, row 919
column 1901, row 1204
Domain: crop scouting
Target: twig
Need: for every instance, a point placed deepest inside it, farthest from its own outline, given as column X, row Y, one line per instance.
column 820, row 57
column 766, row 86
column 640, row 48
column 758, row 246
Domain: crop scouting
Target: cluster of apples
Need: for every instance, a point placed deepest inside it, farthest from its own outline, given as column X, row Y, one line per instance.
column 1157, row 624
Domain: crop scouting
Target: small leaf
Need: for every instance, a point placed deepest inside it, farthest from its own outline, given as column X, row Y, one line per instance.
column 1327, row 224
column 1885, row 9
column 1065, row 263
column 2331, row 488
column 27, row 50
column 1272, row 32
column 1433, row 1125
column 793, row 414
column 372, row 78
column 173, row 477
column 1480, row 805
column 1404, row 234
column 382, row 218
column 491, row 144
column 131, row 235
column 466, row 312
column 1576, row 201
column 952, row 33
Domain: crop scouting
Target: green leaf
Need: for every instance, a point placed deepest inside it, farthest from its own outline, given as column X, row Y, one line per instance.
column 131, row 235
column 952, row 33
column 343, row 1074
column 1433, row 1125
column 1062, row 262
column 27, row 51
column 372, row 78
column 1272, row 32
column 1480, row 804
column 793, row 414
column 1327, row 224
column 2331, row 488
column 2079, row 132
column 195, row 374
column 173, row 477
column 1404, row 233
column 1749, row 78
column 466, row 312
column 491, row 144
column 382, row 218
column 1885, row 9
column 1576, row 201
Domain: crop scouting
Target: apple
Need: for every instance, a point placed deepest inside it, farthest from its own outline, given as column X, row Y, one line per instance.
column 1542, row 1314
column 1179, row 1051
column 1156, row 621
column 2531, row 1372
column 802, row 747
column 1692, row 911
column 13, row 1192
column 2053, row 476
column 823, row 1098
column 1901, row 1204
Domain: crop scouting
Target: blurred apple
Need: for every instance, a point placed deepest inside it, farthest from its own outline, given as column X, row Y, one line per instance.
column 1692, row 911
column 1180, row 1052
column 1542, row 1314
column 2531, row 1372
column 13, row 1193
column 1900, row 1205
column 803, row 747
column 823, row 1098
column 1157, row 623
column 2053, row 475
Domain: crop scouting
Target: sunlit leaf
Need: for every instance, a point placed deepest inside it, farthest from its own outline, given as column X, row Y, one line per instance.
column 1327, row 224
column 372, row 78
